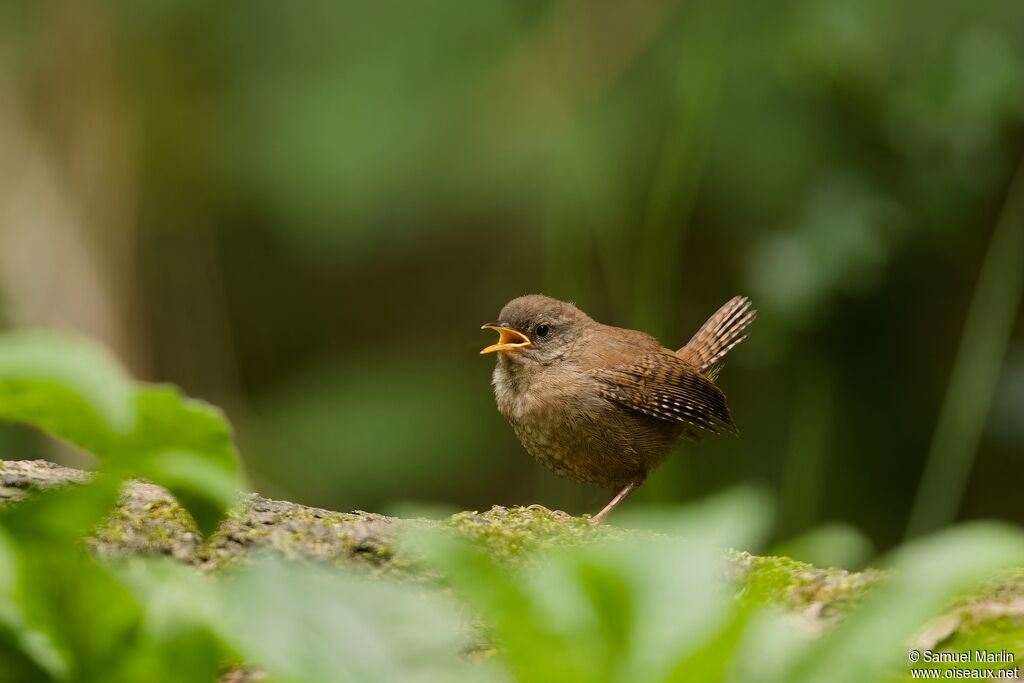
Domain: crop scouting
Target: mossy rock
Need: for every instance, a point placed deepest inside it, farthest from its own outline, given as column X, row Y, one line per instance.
column 149, row 521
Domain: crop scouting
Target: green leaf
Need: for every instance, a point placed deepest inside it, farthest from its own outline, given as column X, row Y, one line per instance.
column 70, row 388
column 176, row 641
column 184, row 445
column 644, row 608
column 34, row 644
column 52, row 590
column 77, row 619
column 73, row 390
column 60, row 611
column 309, row 624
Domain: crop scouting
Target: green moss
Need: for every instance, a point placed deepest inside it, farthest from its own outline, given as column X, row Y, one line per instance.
column 998, row 628
column 993, row 635
column 798, row 585
column 990, row 619
column 147, row 521
column 509, row 533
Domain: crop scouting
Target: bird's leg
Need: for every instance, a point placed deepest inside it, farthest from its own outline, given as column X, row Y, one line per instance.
column 614, row 503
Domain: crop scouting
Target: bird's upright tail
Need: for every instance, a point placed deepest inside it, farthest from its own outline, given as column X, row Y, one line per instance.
column 724, row 330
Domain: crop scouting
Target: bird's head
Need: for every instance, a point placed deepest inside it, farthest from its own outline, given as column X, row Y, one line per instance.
column 536, row 329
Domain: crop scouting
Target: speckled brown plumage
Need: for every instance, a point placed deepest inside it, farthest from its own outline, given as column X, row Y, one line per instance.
column 601, row 404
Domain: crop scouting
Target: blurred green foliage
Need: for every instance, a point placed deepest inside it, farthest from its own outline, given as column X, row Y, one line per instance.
column 76, row 392
column 655, row 607
column 66, row 617
column 305, row 213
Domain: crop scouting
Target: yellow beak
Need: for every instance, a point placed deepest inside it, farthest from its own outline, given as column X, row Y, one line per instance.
column 508, row 339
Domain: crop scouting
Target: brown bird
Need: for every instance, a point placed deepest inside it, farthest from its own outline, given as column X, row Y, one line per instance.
column 604, row 405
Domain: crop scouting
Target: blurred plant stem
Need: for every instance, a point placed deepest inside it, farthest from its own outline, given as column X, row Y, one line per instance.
column 585, row 203
column 803, row 472
column 594, row 44
column 68, row 227
column 701, row 64
column 588, row 208
column 976, row 367
column 569, row 215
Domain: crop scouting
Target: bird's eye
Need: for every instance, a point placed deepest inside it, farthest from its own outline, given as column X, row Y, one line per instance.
column 542, row 330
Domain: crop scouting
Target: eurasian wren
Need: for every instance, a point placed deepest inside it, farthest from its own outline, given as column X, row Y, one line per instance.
column 605, row 405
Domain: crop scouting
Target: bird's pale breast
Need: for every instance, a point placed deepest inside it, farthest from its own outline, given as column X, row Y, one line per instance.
column 561, row 419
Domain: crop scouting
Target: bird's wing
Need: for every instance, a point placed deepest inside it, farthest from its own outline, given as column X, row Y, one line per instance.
column 665, row 387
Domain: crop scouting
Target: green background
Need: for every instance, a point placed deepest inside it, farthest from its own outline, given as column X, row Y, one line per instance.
column 304, row 213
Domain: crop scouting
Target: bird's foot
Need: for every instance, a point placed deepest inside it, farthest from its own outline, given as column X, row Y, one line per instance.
column 613, row 503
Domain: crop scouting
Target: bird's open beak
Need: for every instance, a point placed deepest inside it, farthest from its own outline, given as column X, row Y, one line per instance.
column 508, row 339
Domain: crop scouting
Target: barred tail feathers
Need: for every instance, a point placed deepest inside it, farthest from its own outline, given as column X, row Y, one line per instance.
column 724, row 330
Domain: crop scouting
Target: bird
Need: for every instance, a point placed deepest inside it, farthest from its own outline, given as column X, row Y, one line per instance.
column 605, row 405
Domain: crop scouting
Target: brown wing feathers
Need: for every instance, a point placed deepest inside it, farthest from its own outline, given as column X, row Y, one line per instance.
column 680, row 387
column 663, row 386
column 724, row 330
